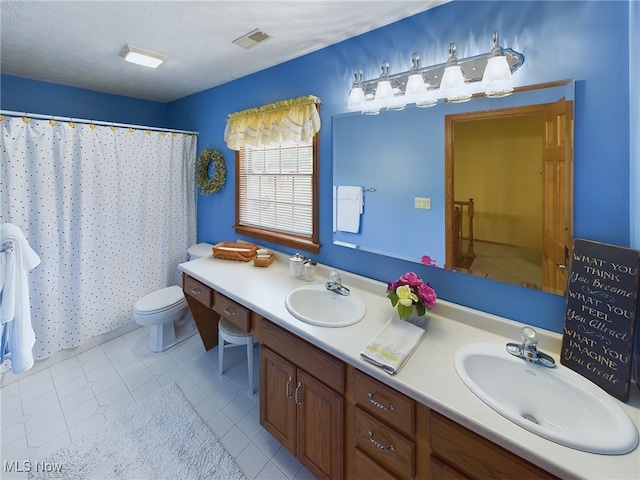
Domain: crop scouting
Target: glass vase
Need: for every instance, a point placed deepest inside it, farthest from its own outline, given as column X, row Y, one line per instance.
column 418, row 320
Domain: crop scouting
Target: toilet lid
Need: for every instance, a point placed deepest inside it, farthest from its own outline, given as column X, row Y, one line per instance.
column 159, row 300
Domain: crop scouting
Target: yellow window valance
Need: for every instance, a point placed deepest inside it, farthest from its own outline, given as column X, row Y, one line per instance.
column 296, row 120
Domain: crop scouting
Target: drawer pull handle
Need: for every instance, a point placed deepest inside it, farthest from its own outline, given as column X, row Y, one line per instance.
column 297, row 400
column 229, row 312
column 378, row 445
column 196, row 291
column 379, row 405
column 287, row 391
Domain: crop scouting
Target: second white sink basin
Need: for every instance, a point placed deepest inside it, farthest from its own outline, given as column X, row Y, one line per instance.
column 316, row 305
column 555, row 403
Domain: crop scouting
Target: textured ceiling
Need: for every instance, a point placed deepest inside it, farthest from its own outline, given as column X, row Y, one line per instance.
column 77, row 43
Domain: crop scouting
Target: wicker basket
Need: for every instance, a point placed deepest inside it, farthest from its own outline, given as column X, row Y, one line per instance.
column 242, row 252
column 263, row 261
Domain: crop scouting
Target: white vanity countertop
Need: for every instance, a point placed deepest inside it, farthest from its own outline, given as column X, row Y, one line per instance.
column 429, row 376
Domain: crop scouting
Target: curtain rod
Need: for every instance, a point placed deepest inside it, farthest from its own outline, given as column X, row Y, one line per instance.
column 38, row 116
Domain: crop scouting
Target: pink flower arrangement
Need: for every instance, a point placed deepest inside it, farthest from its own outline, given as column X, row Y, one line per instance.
column 409, row 292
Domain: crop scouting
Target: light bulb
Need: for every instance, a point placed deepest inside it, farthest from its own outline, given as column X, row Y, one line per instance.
column 453, row 85
column 496, row 80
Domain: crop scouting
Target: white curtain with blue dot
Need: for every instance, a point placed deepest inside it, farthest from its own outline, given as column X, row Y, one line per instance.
column 111, row 213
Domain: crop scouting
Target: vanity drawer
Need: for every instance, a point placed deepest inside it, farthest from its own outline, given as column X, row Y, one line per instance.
column 232, row 311
column 384, row 402
column 198, row 290
column 367, row 469
column 390, row 449
column 475, row 455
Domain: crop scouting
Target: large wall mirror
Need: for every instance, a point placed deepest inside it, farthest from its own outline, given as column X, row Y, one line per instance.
column 483, row 187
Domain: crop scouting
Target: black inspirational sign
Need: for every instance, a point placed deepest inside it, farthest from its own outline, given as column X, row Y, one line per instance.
column 599, row 321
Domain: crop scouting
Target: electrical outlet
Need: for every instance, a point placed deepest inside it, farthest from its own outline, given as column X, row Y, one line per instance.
column 422, row 203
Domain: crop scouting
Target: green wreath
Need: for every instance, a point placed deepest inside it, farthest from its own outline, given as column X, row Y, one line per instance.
column 206, row 184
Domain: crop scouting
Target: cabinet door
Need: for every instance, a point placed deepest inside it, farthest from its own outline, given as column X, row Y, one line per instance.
column 277, row 406
column 320, row 422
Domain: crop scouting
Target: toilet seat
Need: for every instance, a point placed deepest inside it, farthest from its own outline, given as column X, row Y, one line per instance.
column 160, row 301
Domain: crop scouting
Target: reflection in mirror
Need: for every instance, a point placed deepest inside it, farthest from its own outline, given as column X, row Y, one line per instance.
column 483, row 187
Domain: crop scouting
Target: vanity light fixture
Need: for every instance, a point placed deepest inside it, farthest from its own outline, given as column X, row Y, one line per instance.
column 453, row 84
column 356, row 95
column 418, row 91
column 424, row 86
column 496, row 80
column 384, row 91
column 141, row 56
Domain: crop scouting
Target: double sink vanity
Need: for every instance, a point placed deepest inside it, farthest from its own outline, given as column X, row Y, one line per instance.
column 343, row 417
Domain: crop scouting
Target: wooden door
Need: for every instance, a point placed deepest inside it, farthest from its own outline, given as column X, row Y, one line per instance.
column 557, row 195
column 277, row 407
column 320, row 421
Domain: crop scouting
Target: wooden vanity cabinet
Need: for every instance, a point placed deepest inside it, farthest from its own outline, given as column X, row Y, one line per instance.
column 232, row 311
column 457, row 452
column 342, row 423
column 301, row 400
column 389, row 435
column 207, row 305
column 200, row 300
column 386, row 431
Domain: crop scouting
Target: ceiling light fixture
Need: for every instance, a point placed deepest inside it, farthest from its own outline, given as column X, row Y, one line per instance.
column 424, row 86
column 141, row 56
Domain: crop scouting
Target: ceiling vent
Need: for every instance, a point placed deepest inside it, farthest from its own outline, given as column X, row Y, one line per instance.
column 252, row 38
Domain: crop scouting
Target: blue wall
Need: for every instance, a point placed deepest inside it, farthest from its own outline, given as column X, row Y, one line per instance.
column 30, row 96
column 559, row 40
column 588, row 41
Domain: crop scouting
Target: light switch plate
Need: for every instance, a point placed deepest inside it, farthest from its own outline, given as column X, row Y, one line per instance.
column 421, row 202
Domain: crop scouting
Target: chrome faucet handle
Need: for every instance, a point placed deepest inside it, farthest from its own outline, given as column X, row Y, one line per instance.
column 529, row 337
column 335, row 284
column 529, row 349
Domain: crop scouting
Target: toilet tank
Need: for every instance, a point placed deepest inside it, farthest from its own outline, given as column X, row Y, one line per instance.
column 200, row 250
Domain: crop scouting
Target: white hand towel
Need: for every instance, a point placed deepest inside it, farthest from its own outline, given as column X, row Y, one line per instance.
column 335, row 208
column 350, row 206
column 393, row 345
column 14, row 294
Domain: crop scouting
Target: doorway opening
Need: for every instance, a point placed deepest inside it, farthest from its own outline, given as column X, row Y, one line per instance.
column 507, row 194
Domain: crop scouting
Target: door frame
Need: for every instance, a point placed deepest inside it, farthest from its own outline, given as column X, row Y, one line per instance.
column 449, row 137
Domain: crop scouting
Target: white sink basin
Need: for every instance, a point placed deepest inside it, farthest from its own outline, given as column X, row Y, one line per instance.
column 316, row 305
column 555, row 403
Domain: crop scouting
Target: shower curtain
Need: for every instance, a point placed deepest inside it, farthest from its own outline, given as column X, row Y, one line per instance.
column 111, row 213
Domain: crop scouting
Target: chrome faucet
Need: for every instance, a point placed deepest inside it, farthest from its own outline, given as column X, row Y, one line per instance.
column 529, row 349
column 335, row 284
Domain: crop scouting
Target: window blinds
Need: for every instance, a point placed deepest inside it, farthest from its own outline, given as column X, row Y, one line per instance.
column 275, row 188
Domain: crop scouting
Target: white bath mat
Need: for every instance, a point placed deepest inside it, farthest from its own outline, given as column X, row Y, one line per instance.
column 162, row 437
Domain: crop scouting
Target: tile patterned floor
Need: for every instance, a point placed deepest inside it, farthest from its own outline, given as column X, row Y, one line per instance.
column 46, row 410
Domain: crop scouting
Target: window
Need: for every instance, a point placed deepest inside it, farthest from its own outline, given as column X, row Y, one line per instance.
column 276, row 194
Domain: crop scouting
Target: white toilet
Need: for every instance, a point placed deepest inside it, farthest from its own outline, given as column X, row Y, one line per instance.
column 166, row 312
